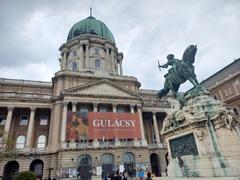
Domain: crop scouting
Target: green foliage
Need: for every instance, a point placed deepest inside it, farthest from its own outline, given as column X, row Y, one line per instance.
column 6, row 145
column 25, row 175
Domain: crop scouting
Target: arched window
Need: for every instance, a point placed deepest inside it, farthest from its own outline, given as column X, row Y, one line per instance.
column 23, row 121
column 74, row 66
column 41, row 142
column 97, row 64
column 84, row 160
column 107, row 159
column 128, row 157
column 43, row 120
column 20, row 143
column 2, row 120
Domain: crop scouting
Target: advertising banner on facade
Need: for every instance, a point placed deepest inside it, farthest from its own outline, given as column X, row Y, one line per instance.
column 109, row 125
column 77, row 126
column 102, row 125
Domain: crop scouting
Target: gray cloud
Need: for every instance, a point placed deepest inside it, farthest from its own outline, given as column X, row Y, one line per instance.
column 32, row 31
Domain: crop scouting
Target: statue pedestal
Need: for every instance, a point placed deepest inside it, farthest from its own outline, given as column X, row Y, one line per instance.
column 202, row 139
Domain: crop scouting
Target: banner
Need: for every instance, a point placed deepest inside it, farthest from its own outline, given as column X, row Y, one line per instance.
column 109, row 125
column 77, row 126
column 102, row 125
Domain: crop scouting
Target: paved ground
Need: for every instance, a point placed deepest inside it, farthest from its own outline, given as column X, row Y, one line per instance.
column 170, row 178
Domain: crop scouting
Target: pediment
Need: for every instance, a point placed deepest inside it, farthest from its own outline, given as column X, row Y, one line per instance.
column 101, row 88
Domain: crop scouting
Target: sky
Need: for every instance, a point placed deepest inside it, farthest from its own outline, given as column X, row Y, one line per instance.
column 146, row 31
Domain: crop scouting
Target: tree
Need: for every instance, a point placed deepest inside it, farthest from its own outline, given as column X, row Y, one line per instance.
column 6, row 145
column 25, row 175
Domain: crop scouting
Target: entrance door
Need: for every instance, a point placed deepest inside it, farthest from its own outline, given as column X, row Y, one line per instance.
column 155, row 164
column 129, row 164
column 107, row 170
column 10, row 169
column 84, row 167
column 37, row 167
column 107, row 161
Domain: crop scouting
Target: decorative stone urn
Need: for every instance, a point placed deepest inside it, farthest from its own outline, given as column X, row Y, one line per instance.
column 203, row 137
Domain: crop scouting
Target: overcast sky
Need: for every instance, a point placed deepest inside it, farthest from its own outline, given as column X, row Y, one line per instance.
column 145, row 30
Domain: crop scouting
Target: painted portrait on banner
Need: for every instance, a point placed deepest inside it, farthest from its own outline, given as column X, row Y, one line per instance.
column 77, row 126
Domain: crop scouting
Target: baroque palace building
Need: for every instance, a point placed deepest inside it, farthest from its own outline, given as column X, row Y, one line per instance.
column 224, row 85
column 91, row 119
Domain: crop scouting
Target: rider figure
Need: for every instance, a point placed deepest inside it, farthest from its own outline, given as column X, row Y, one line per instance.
column 171, row 62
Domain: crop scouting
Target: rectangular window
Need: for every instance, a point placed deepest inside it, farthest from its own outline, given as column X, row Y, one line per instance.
column 23, row 121
column 74, row 53
column 2, row 120
column 43, row 120
column 97, row 64
column 96, row 51
column 228, row 91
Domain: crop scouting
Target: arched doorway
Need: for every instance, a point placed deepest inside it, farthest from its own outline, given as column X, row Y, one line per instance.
column 84, row 167
column 36, row 166
column 107, row 161
column 155, row 164
column 129, row 163
column 10, row 169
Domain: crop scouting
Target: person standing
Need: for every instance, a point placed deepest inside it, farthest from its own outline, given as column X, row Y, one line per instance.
column 149, row 176
column 141, row 174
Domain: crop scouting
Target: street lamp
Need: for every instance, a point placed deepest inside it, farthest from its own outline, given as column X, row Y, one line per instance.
column 49, row 173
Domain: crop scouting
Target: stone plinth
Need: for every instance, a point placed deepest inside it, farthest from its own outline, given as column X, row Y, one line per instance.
column 202, row 138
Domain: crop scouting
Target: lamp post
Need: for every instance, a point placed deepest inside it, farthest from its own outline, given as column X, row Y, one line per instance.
column 49, row 173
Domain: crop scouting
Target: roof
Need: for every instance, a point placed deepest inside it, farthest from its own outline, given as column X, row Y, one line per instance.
column 222, row 74
column 90, row 26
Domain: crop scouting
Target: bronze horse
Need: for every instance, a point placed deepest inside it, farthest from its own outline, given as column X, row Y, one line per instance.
column 180, row 72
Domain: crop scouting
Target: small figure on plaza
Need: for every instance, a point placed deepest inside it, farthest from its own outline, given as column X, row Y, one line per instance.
column 180, row 72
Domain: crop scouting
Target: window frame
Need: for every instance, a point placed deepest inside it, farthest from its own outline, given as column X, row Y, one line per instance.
column 74, row 66
column 42, row 144
column 20, row 145
column 3, row 118
column 21, row 119
column 98, row 64
column 40, row 119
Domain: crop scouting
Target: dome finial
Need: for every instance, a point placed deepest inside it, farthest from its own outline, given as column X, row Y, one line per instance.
column 90, row 11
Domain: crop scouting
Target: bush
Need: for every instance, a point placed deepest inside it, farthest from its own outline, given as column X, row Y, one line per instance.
column 26, row 175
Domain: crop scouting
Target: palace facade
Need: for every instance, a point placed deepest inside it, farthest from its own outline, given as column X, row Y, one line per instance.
column 90, row 120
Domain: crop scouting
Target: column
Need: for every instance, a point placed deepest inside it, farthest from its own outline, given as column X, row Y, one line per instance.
column 87, row 60
column 64, row 122
column 49, row 141
column 64, row 61
column 112, row 61
column 81, row 63
column 114, row 107
column 55, row 127
column 132, row 108
column 74, row 106
column 95, row 109
column 144, row 142
column 30, row 130
column 120, row 65
column 156, row 132
column 8, row 121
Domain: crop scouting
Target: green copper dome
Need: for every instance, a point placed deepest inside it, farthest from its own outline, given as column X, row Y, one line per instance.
column 90, row 26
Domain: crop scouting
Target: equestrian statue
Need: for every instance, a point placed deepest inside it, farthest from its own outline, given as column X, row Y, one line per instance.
column 180, row 72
